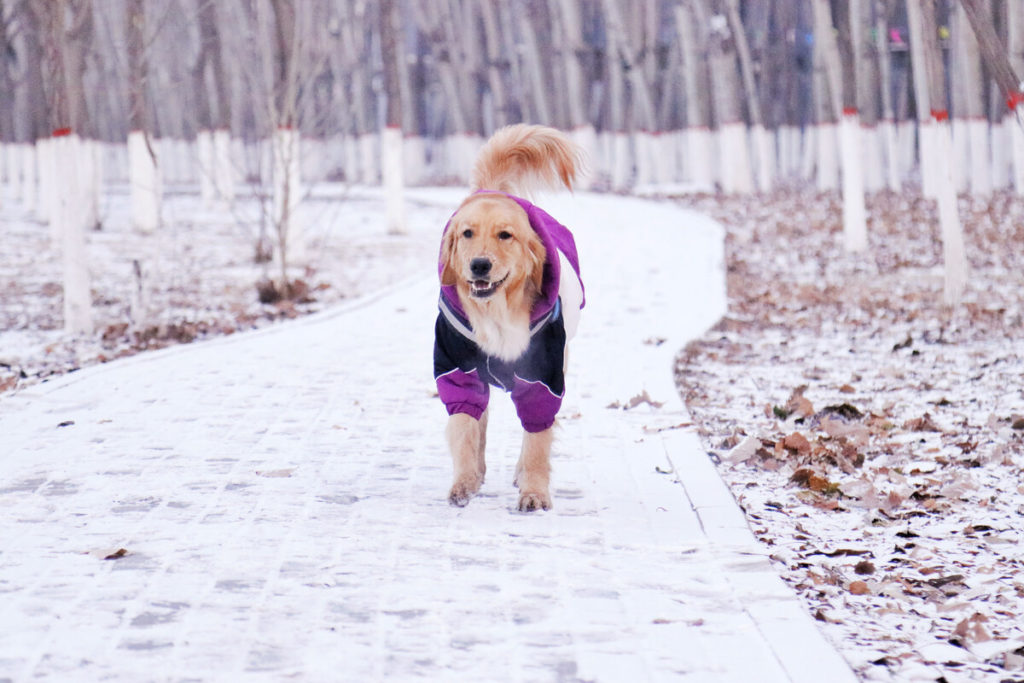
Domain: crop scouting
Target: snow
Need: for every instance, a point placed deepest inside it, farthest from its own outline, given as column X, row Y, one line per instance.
column 857, row 419
column 272, row 504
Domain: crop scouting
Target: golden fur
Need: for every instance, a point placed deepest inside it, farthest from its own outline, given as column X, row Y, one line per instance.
column 496, row 262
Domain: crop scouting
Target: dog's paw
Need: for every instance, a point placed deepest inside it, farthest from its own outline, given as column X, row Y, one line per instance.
column 462, row 491
column 532, row 501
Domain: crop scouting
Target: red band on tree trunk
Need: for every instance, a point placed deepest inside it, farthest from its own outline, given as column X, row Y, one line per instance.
column 61, row 132
column 940, row 114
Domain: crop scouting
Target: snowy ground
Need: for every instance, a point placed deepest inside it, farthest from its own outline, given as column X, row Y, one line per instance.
column 875, row 441
column 199, row 273
column 273, row 503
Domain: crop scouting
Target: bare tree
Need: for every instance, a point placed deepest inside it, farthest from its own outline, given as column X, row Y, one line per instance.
column 930, row 76
column 213, row 109
column 691, row 25
column 67, row 25
column 851, row 143
column 761, row 142
column 391, row 137
column 970, row 129
column 144, row 170
column 997, row 60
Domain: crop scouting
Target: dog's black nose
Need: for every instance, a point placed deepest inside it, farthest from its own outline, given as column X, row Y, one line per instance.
column 480, row 267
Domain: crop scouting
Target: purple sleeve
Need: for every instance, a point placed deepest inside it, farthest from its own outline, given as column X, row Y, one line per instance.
column 463, row 392
column 535, row 404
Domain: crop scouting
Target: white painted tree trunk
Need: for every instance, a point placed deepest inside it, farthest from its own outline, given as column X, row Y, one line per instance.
column 906, row 135
column 764, row 157
column 287, row 183
column 929, row 160
column 463, row 150
column 394, row 184
column 224, row 166
column 351, row 159
column 855, row 228
column 1002, row 153
column 414, row 155
column 827, row 157
column 145, row 182
column 646, row 170
column 585, row 138
column 784, row 143
column 621, row 162
column 953, row 253
column 701, row 168
column 90, row 176
column 1015, row 127
column 961, row 155
column 207, row 183
column 874, row 159
column 981, row 163
column 734, row 157
column 369, row 159
column 28, row 190
column 887, row 130
column 47, row 204
column 69, row 221
column 809, row 155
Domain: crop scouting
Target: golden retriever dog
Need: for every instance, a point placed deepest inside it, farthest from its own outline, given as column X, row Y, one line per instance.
column 510, row 300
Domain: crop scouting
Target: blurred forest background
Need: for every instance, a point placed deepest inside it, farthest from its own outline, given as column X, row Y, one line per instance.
column 735, row 94
column 263, row 99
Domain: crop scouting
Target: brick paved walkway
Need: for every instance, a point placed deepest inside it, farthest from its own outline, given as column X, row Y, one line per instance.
column 281, row 498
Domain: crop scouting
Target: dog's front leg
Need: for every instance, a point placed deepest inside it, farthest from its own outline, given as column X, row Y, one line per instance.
column 466, row 437
column 533, row 473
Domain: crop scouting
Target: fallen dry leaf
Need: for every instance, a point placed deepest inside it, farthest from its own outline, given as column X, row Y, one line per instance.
column 864, row 567
column 925, row 423
column 859, row 588
column 797, row 442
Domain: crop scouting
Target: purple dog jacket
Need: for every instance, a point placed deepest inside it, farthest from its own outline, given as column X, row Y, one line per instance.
column 464, row 373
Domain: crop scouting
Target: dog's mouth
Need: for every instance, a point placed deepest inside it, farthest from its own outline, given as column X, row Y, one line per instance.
column 482, row 289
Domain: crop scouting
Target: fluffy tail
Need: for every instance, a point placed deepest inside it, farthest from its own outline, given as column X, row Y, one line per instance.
column 521, row 159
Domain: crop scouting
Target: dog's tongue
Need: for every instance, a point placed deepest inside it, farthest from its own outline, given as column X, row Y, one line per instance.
column 481, row 284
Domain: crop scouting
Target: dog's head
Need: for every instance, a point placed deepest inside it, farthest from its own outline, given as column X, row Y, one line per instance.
column 490, row 247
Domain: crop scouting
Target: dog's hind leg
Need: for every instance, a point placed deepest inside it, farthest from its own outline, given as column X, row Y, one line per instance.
column 533, row 473
column 465, row 439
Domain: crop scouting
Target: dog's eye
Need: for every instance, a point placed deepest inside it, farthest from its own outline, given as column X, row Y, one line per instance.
column 467, row 233
column 504, row 235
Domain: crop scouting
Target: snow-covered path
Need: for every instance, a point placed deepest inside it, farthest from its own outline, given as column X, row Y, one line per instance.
column 281, row 498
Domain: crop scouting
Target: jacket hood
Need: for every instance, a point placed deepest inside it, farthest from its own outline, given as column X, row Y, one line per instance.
column 556, row 239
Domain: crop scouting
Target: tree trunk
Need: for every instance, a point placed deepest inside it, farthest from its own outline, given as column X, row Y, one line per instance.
column 66, row 170
column 928, row 69
column 143, row 169
column 971, row 123
column 888, row 123
column 734, row 155
column 998, row 62
column 287, row 185
column 839, row 56
column 391, row 136
column 762, row 144
column 699, row 143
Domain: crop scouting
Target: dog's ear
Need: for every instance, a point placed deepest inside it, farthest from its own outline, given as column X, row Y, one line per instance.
column 538, row 257
column 448, row 275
